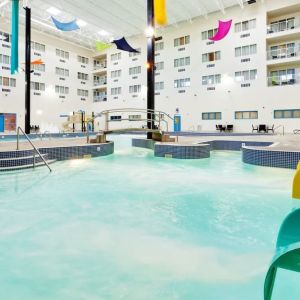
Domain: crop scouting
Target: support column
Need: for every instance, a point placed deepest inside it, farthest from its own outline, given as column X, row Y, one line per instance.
column 27, row 70
column 150, row 67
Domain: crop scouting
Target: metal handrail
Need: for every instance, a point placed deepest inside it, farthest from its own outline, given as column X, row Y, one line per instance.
column 286, row 52
column 287, row 79
column 280, row 126
column 154, row 114
column 33, row 146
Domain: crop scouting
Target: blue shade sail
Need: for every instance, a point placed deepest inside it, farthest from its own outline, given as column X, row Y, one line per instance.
column 15, row 37
column 122, row 44
column 70, row 26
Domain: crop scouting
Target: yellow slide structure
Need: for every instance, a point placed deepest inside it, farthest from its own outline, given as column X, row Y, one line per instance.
column 160, row 12
column 296, row 184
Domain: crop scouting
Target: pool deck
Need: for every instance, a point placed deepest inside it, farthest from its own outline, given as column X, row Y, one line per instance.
column 288, row 142
column 49, row 143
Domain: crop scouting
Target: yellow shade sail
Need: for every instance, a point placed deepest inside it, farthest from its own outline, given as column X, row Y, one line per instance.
column 160, row 12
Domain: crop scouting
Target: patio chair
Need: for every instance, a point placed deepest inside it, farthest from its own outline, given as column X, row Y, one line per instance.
column 220, row 128
column 229, row 128
column 254, row 128
column 262, row 128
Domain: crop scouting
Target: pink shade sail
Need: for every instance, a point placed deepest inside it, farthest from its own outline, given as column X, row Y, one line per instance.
column 223, row 30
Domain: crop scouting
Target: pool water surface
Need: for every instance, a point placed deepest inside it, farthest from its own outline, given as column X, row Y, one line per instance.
column 132, row 226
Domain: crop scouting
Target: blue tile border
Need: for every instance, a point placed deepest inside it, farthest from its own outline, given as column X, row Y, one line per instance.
column 25, row 157
column 182, row 151
column 143, row 143
column 270, row 158
column 75, row 152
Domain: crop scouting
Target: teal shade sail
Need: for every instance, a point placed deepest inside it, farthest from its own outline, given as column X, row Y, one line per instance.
column 15, row 37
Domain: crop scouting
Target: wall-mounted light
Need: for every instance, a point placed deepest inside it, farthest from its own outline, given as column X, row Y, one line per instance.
column 81, row 23
column 149, row 32
column 53, row 11
column 103, row 32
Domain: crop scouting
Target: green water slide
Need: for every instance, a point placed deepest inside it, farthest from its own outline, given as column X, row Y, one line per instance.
column 287, row 251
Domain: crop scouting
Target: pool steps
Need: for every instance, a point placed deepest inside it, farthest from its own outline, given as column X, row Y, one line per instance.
column 23, row 160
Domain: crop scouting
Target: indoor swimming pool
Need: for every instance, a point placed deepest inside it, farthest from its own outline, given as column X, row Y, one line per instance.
column 132, row 226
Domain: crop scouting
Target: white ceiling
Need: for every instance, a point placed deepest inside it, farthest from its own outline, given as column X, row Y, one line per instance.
column 117, row 17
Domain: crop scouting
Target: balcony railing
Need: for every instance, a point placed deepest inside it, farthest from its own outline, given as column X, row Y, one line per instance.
column 282, row 53
column 100, row 98
column 280, row 80
column 283, row 25
column 100, row 66
column 100, row 82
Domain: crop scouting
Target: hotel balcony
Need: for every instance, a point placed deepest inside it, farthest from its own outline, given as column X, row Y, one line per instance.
column 284, row 80
column 100, row 98
column 100, row 84
column 284, row 56
column 100, row 67
column 284, row 26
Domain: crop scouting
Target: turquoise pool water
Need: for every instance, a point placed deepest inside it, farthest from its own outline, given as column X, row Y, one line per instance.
column 131, row 226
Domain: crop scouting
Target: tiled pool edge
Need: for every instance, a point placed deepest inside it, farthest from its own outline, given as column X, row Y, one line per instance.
column 270, row 158
column 66, row 152
column 250, row 154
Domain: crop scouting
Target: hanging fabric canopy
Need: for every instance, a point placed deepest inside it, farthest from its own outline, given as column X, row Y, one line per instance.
column 160, row 12
column 70, row 26
column 15, row 37
column 37, row 62
column 223, row 30
column 100, row 46
column 122, row 44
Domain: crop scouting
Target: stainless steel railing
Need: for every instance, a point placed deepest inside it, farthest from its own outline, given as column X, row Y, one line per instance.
column 278, row 127
column 36, row 150
column 156, row 116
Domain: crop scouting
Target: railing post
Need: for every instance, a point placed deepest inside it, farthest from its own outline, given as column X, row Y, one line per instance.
column 34, row 158
column 18, row 135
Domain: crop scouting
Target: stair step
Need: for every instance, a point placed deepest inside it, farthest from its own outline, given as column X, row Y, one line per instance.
column 20, row 161
column 21, row 157
column 15, row 153
column 24, row 167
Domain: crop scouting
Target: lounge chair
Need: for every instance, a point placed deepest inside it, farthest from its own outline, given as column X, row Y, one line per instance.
column 263, row 128
column 271, row 129
column 254, row 128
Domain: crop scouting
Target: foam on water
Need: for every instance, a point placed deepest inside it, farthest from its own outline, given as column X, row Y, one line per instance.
column 131, row 226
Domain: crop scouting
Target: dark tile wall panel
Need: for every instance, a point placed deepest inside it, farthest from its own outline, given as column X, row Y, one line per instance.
column 275, row 159
column 182, row 152
column 74, row 152
column 143, row 143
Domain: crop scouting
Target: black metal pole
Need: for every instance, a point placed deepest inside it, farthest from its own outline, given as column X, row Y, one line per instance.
column 150, row 68
column 73, row 121
column 27, row 70
column 93, row 123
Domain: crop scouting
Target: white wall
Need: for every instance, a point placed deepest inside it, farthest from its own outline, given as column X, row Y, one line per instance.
column 47, row 108
column 226, row 98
